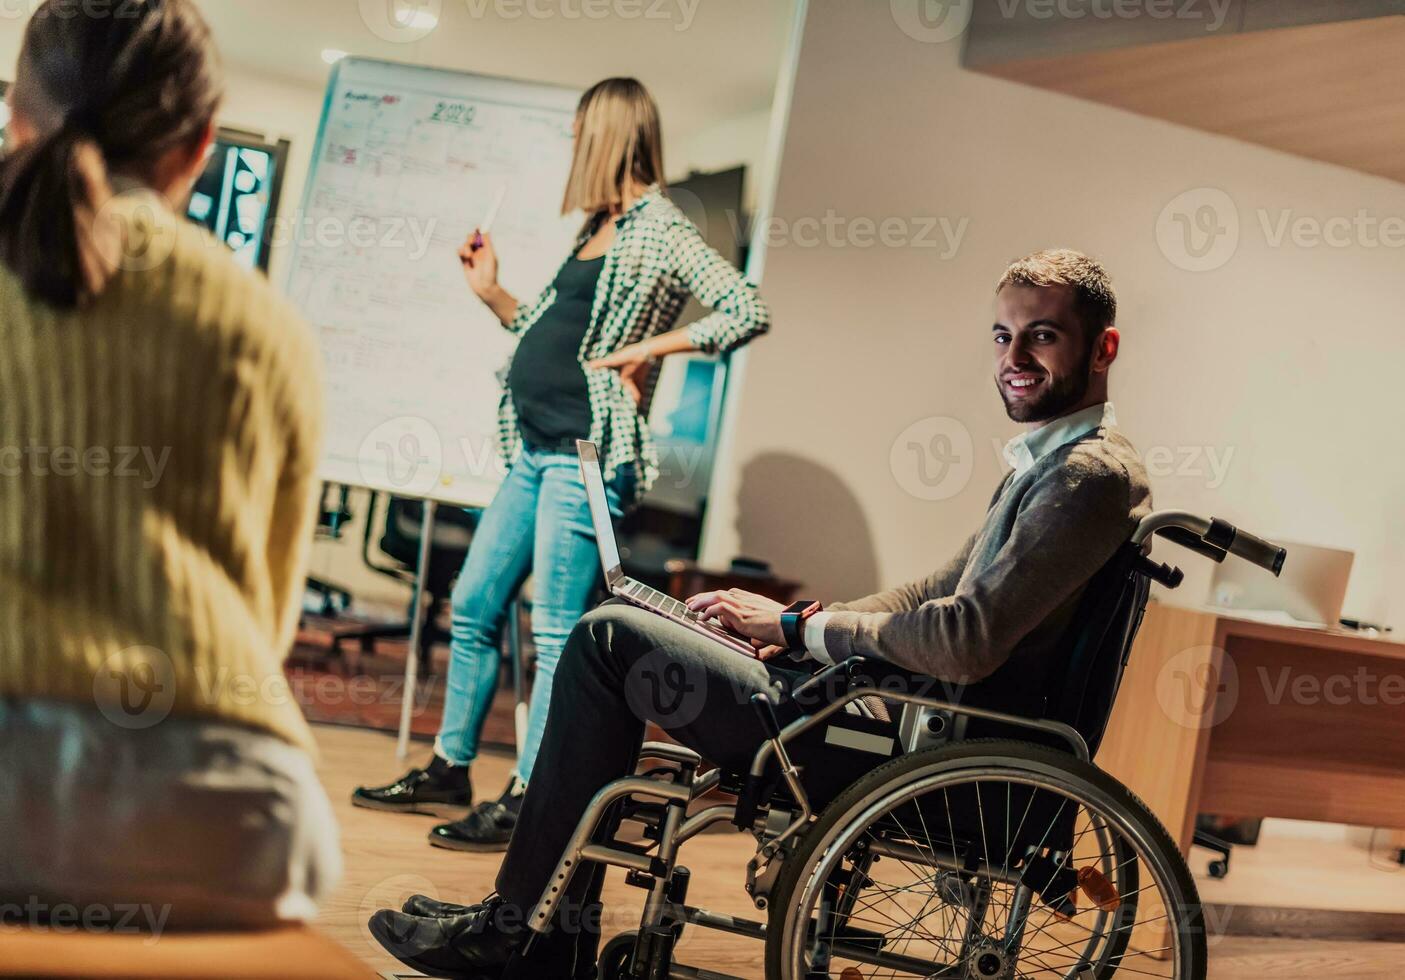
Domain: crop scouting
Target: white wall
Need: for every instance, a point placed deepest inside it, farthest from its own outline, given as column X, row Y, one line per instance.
column 726, row 143
column 11, row 37
column 1283, row 360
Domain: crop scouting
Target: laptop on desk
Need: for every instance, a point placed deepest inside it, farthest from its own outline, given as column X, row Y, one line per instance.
column 631, row 590
column 1309, row 593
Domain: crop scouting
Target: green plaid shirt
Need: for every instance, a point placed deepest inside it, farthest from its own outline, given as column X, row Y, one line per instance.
column 657, row 260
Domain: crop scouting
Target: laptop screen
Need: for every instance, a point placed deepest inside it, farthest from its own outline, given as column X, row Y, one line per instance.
column 599, row 507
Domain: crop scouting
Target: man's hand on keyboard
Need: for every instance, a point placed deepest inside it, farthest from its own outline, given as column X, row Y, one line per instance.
column 753, row 616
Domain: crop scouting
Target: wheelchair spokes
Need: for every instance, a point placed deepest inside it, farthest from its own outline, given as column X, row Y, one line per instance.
column 988, row 875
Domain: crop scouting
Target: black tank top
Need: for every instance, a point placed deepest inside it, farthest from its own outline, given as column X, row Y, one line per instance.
column 546, row 380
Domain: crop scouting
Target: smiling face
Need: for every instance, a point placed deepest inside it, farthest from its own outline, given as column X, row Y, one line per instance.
column 1046, row 365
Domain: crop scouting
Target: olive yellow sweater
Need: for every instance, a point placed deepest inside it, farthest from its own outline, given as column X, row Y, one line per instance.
column 157, row 476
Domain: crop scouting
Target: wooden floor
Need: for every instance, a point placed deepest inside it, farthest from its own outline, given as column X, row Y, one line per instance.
column 388, row 859
column 1333, row 868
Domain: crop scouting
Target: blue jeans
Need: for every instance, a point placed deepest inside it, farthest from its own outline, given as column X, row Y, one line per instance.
column 538, row 522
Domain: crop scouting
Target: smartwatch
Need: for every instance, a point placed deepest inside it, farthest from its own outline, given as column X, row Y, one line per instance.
column 793, row 619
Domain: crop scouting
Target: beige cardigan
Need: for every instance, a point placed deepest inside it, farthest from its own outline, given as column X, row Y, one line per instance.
column 158, row 458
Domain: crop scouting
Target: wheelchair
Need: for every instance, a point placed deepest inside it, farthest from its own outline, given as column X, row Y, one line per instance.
column 905, row 835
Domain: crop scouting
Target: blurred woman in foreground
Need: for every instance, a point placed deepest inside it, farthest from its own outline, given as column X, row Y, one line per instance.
column 159, row 431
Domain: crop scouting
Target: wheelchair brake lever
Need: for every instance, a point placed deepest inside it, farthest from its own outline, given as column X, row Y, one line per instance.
column 766, row 712
column 759, row 867
column 770, row 724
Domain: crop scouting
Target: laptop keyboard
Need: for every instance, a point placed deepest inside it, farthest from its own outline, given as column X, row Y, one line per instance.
column 667, row 605
column 661, row 601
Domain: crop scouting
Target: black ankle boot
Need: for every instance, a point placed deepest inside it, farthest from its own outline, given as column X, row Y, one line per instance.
column 439, row 790
column 488, row 828
column 473, row 946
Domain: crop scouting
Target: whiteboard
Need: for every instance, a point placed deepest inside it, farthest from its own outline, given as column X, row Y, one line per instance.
column 408, row 161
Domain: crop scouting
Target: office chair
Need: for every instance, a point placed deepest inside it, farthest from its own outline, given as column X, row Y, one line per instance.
column 400, row 541
column 336, row 599
column 1221, row 838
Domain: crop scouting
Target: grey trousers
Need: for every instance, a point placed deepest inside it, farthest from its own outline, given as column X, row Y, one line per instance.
column 187, row 824
column 621, row 667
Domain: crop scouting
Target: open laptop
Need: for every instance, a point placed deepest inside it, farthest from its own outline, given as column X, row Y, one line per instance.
column 1309, row 592
column 632, row 590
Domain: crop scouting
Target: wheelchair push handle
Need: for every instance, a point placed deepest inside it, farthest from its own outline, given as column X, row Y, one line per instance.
column 1212, row 538
column 1194, row 542
column 1266, row 555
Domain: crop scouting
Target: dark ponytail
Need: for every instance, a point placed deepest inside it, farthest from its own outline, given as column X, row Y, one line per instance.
column 104, row 95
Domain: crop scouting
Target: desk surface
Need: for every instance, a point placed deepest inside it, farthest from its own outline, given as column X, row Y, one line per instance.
column 1348, row 641
column 1312, row 726
column 1223, row 714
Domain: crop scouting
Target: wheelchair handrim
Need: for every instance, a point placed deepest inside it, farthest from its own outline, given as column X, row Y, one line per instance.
column 943, row 776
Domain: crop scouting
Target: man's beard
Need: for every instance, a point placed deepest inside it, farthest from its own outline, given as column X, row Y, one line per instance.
column 1057, row 398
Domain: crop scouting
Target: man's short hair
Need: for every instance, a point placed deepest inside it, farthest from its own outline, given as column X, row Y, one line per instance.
column 1093, row 296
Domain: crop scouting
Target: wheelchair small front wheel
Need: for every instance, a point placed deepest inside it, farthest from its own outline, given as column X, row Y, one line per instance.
column 987, row 860
column 615, row 956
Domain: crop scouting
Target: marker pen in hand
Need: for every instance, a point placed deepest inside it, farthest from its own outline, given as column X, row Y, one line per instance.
column 488, row 219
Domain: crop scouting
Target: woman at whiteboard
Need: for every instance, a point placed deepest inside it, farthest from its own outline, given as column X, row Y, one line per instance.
column 581, row 370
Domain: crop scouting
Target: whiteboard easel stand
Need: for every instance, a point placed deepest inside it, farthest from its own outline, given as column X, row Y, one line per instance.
column 412, row 660
column 519, row 705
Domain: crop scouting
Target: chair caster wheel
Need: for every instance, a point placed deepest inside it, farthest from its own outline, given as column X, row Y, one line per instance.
column 1218, row 869
column 615, row 957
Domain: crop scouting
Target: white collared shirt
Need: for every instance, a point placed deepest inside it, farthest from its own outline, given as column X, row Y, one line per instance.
column 1027, row 448
column 1021, row 452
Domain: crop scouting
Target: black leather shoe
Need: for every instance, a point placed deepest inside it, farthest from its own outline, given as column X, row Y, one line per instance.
column 488, row 828
column 441, row 790
column 473, row 946
column 430, row 908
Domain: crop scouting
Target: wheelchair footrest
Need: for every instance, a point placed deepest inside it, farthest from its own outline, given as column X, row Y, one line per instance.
column 639, row 879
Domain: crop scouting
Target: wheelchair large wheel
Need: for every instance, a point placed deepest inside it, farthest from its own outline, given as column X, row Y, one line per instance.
column 988, row 860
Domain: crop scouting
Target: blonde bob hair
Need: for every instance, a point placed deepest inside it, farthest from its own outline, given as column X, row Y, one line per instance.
column 618, row 143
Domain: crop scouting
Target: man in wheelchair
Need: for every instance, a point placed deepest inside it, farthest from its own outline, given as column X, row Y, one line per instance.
column 988, row 619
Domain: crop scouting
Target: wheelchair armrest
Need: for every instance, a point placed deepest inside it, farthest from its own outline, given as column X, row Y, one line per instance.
column 670, row 752
column 822, row 686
